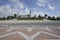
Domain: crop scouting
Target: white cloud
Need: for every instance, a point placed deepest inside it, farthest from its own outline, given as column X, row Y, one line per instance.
column 18, row 8
column 42, row 13
column 27, row 10
column 51, row 7
column 5, row 10
column 36, row 11
column 17, row 3
column 21, row 5
column 13, row 1
column 42, row 2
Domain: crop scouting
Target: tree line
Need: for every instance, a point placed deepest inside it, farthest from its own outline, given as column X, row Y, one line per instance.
column 31, row 18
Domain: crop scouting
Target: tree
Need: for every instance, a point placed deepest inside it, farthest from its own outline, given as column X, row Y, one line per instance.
column 49, row 17
column 39, row 16
column 53, row 18
column 45, row 15
column 34, row 16
column 8, row 17
column 3, row 18
column 58, row 18
column 15, row 15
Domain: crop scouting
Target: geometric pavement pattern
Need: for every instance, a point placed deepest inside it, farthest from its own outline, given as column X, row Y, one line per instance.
column 29, row 33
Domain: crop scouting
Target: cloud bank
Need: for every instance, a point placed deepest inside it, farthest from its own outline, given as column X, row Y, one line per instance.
column 40, row 7
column 16, row 7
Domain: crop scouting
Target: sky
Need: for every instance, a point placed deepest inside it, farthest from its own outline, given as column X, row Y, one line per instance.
column 23, row 7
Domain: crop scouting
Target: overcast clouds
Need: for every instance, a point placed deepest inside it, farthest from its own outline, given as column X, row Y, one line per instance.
column 50, row 7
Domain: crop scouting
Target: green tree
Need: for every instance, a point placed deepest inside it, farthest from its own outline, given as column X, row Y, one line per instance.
column 49, row 17
column 12, row 17
column 45, row 15
column 9, row 17
column 58, row 18
column 39, row 16
column 4, row 18
column 15, row 15
column 53, row 18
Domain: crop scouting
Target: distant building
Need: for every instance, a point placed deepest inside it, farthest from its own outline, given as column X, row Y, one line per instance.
column 25, row 16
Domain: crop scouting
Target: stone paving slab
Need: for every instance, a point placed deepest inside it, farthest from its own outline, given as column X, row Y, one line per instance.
column 29, row 33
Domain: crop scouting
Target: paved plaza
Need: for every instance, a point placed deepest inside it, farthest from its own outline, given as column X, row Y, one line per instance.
column 22, row 32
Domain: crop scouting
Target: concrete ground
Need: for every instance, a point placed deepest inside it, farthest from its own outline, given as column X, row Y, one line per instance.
column 29, row 33
column 29, row 30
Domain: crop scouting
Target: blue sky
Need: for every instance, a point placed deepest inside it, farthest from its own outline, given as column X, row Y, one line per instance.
column 37, row 7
